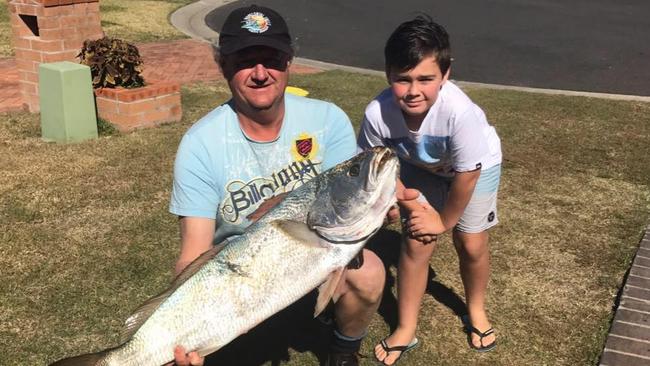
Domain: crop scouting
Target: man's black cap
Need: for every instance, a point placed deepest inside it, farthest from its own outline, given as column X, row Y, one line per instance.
column 254, row 26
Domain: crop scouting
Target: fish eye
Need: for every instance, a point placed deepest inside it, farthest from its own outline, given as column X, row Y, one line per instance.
column 354, row 170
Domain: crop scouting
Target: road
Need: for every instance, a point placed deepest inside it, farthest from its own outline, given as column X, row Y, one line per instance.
column 582, row 45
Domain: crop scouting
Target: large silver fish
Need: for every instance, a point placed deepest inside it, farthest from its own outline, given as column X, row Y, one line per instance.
column 303, row 242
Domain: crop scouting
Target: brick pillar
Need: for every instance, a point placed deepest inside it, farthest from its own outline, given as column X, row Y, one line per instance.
column 49, row 31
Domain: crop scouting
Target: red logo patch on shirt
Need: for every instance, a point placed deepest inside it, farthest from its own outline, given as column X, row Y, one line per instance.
column 304, row 147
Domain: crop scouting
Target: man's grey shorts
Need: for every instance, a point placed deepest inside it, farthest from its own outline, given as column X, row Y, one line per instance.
column 481, row 211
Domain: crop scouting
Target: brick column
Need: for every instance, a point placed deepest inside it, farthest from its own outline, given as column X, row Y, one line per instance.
column 49, row 31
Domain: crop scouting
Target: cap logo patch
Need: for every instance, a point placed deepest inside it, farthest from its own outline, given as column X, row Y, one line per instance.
column 256, row 22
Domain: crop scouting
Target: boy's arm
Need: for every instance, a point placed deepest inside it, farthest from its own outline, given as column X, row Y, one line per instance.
column 427, row 221
column 460, row 192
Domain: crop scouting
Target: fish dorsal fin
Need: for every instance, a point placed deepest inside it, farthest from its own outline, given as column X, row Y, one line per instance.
column 326, row 290
column 299, row 231
column 142, row 313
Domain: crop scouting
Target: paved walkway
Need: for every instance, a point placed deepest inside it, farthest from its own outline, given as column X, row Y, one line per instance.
column 10, row 98
column 185, row 61
column 628, row 342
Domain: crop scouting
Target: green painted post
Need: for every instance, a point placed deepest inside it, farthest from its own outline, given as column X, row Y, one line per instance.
column 67, row 102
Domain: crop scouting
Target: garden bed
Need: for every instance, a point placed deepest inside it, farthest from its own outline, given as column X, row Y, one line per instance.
column 148, row 106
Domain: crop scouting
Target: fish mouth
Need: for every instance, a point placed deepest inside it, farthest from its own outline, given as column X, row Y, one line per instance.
column 380, row 187
column 382, row 179
column 383, row 157
column 385, row 163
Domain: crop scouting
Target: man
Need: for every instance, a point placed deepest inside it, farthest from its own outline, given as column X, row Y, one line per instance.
column 256, row 147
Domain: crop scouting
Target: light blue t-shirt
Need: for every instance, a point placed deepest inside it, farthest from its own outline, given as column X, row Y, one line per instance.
column 221, row 174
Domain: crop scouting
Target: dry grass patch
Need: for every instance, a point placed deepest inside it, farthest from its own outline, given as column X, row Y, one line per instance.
column 85, row 235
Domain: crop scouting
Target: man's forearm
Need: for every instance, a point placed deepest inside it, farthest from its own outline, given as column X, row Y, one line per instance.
column 196, row 238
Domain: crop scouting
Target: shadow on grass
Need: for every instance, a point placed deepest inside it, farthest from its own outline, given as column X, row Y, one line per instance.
column 295, row 327
column 386, row 244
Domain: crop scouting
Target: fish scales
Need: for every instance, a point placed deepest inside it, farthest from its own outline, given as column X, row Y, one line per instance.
column 276, row 261
column 247, row 275
column 229, row 275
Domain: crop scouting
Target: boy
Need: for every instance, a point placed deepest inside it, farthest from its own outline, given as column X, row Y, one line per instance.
column 451, row 155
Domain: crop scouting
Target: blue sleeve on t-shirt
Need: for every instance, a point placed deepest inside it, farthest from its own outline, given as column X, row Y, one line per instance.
column 195, row 191
column 341, row 143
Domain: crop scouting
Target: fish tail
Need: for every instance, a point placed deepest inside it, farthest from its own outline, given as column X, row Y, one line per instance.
column 91, row 359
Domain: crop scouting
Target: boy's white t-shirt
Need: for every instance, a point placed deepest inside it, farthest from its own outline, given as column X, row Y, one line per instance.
column 454, row 136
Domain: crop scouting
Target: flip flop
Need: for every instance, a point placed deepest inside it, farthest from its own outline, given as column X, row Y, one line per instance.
column 401, row 349
column 469, row 329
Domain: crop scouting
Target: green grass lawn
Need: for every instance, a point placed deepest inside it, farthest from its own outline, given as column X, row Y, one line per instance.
column 85, row 236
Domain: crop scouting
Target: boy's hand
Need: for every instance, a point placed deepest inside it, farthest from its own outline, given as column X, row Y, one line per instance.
column 426, row 239
column 425, row 221
column 407, row 198
column 393, row 215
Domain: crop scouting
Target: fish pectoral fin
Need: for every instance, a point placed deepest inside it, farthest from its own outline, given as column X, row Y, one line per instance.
column 326, row 290
column 299, row 231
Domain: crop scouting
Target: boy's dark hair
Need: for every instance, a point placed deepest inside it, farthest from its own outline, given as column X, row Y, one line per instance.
column 414, row 40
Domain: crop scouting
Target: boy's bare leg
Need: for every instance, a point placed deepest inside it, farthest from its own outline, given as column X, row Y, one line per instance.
column 474, row 260
column 412, row 272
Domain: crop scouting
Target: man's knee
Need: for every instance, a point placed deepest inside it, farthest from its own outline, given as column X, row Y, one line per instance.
column 367, row 282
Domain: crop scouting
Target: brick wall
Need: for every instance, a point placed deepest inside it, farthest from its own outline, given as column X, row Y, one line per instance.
column 129, row 109
column 49, row 31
